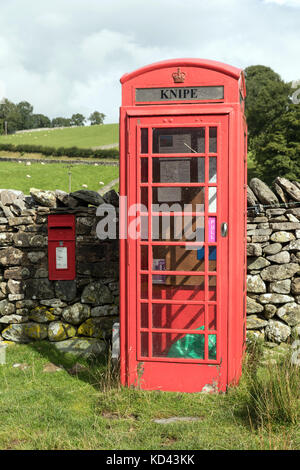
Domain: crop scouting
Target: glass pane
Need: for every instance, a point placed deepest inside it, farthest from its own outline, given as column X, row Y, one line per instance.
column 212, row 347
column 144, row 198
column 177, row 316
column 212, row 288
column 144, row 344
column 212, row 258
column 178, row 170
column 179, row 140
column 179, row 288
column 144, row 170
column 144, row 227
column 213, row 140
column 144, row 257
column 144, row 140
column 178, row 227
column 144, row 286
column 179, row 258
column 212, row 317
column 213, row 170
column 144, row 315
column 212, row 203
column 185, row 346
column 174, row 199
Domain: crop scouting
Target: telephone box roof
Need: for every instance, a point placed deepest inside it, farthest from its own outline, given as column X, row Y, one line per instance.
column 226, row 69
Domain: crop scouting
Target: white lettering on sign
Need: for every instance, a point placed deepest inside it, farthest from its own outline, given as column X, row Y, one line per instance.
column 61, row 258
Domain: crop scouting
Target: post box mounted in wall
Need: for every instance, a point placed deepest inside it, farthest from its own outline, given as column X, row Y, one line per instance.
column 61, row 247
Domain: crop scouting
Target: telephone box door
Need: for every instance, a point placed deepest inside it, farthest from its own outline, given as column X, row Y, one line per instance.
column 177, row 275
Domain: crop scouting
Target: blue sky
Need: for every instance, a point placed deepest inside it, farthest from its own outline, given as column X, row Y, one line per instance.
column 67, row 56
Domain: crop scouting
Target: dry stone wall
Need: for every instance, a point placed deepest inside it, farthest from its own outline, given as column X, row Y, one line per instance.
column 273, row 251
column 78, row 315
column 74, row 315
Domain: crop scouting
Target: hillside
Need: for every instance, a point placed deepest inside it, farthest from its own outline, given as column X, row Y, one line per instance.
column 82, row 137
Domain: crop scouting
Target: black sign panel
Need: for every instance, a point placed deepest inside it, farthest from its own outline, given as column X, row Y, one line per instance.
column 144, row 95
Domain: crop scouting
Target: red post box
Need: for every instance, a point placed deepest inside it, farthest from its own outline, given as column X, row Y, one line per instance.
column 182, row 279
column 61, row 247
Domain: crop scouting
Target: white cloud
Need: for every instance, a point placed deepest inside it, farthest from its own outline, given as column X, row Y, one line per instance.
column 65, row 60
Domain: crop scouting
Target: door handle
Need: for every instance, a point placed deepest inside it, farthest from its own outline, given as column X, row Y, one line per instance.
column 224, row 229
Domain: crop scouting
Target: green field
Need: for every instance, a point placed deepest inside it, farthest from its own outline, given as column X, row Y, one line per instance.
column 83, row 137
column 55, row 176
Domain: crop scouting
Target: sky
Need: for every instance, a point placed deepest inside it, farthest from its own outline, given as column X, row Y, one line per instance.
column 67, row 56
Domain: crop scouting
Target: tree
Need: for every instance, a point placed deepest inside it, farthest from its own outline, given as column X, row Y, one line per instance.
column 25, row 111
column 61, row 122
column 96, row 118
column 40, row 121
column 10, row 114
column 266, row 100
column 78, row 119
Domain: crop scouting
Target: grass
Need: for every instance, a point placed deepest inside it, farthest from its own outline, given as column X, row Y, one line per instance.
column 83, row 137
column 55, row 176
column 90, row 410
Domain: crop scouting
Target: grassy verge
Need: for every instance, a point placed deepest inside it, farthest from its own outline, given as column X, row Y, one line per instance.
column 53, row 176
column 90, row 410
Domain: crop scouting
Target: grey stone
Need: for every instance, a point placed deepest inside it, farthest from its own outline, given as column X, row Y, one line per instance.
column 251, row 198
column 297, row 232
column 60, row 331
column 280, row 226
column 15, row 221
column 17, row 273
column 280, row 193
column 104, row 311
column 14, row 297
column 6, row 308
column 54, row 303
column 257, row 263
column 90, row 197
column 254, row 249
column 272, row 249
column 85, row 347
column 76, row 313
column 96, row 293
column 36, row 256
column 275, row 298
column 43, row 198
column 259, row 232
column 293, row 246
column 282, row 237
column 6, row 238
column 39, row 289
column 263, row 192
column 280, row 272
column 14, row 287
column 296, row 286
column 13, row 319
column 269, row 311
column 255, row 323
column 277, row 331
column 111, row 197
column 290, row 313
column 292, row 218
column 255, row 284
column 11, row 256
column 42, row 315
column 291, row 189
column 97, row 327
column 280, row 258
column 66, row 290
column 281, row 287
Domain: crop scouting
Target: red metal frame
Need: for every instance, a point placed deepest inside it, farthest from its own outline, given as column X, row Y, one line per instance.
column 178, row 374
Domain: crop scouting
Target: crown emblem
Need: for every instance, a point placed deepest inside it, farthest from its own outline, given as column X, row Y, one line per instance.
column 178, row 76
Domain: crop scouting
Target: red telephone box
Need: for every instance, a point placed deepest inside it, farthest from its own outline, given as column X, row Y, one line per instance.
column 182, row 275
